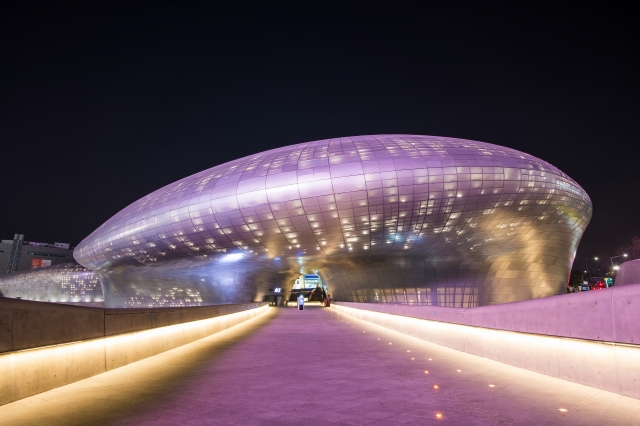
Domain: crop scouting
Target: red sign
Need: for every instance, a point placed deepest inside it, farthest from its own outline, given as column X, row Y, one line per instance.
column 40, row 263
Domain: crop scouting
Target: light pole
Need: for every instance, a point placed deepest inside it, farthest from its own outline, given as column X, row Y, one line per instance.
column 616, row 267
column 587, row 266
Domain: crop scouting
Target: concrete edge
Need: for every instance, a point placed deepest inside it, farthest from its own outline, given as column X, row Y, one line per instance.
column 604, row 315
column 608, row 366
column 28, row 324
column 28, row 372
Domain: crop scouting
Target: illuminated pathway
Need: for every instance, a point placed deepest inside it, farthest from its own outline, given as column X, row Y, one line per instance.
column 312, row 368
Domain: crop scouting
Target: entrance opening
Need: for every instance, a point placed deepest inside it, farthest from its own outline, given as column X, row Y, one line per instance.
column 311, row 287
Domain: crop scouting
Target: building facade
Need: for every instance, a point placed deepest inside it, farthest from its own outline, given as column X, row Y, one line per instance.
column 68, row 283
column 387, row 218
column 29, row 255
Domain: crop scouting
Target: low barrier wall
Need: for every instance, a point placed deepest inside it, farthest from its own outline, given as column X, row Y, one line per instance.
column 104, row 339
column 25, row 324
column 611, row 315
column 602, row 364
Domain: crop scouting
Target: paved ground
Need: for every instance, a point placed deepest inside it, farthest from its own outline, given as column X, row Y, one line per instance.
column 288, row 367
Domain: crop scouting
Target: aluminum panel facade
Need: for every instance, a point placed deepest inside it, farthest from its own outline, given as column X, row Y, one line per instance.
column 68, row 283
column 386, row 218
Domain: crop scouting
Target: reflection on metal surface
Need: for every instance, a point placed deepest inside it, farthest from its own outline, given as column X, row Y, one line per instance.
column 388, row 218
column 65, row 283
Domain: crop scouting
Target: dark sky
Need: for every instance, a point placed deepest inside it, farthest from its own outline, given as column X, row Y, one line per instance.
column 102, row 104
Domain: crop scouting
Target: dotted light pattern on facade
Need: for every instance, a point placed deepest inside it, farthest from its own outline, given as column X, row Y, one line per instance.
column 63, row 283
column 388, row 218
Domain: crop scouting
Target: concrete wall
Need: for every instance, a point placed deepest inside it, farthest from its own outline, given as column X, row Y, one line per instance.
column 629, row 273
column 598, row 362
column 25, row 324
column 47, row 345
column 611, row 315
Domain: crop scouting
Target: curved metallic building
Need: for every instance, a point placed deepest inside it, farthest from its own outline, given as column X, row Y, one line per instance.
column 67, row 283
column 386, row 218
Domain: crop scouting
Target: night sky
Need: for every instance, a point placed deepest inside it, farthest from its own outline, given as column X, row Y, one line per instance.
column 103, row 104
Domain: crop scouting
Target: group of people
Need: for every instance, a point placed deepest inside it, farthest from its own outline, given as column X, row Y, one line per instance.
column 318, row 294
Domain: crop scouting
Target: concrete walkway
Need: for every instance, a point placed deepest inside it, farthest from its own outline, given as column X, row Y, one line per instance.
column 288, row 367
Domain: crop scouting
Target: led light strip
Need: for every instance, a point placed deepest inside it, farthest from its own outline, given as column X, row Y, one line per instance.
column 32, row 371
column 603, row 365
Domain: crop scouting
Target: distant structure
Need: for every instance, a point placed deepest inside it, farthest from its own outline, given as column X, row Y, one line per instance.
column 20, row 255
column 14, row 253
column 386, row 219
column 68, row 283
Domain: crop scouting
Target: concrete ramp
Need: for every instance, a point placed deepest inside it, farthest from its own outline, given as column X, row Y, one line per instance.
column 316, row 367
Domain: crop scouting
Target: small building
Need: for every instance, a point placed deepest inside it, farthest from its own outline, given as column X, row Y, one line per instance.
column 20, row 255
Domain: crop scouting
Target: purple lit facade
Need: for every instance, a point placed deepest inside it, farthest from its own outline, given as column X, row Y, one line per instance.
column 67, row 283
column 387, row 218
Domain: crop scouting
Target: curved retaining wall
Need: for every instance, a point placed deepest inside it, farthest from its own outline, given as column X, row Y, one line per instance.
column 47, row 345
column 587, row 338
column 611, row 315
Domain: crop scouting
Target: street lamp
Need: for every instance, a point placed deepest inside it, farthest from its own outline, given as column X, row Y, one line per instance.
column 613, row 257
column 586, row 264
